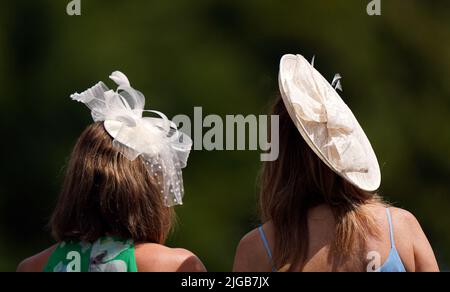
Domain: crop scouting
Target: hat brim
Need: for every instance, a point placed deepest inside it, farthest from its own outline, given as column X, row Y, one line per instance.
column 315, row 134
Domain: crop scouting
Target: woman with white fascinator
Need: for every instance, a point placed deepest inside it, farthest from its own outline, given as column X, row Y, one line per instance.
column 318, row 202
column 123, row 178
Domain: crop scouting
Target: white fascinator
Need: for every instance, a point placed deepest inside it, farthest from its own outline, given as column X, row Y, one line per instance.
column 157, row 140
column 327, row 124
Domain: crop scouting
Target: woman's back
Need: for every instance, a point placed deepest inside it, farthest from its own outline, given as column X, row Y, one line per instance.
column 409, row 241
column 123, row 178
column 112, row 255
column 319, row 200
column 107, row 254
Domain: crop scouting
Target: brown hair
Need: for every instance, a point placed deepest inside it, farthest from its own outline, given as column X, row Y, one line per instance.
column 104, row 193
column 299, row 181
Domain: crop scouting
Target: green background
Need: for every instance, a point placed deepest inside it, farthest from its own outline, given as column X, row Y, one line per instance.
column 222, row 55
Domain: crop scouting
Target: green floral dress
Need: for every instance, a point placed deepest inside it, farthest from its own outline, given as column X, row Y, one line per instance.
column 107, row 254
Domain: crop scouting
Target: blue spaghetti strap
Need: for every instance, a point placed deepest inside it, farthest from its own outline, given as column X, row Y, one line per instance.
column 391, row 229
column 266, row 246
column 265, row 241
column 394, row 262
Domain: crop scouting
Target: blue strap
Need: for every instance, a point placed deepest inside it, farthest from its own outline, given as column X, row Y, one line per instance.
column 267, row 247
column 391, row 229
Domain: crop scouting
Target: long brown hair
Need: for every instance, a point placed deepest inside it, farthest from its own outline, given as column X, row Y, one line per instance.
column 104, row 193
column 298, row 181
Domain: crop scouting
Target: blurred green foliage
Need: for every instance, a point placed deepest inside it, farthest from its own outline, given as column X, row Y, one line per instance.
column 222, row 55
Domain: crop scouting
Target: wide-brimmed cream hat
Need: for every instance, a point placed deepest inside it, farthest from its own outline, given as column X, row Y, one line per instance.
column 327, row 124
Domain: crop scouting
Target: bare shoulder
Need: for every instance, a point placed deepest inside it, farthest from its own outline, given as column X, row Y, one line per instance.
column 158, row 258
column 410, row 229
column 37, row 262
column 251, row 255
column 404, row 216
column 405, row 222
column 401, row 217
